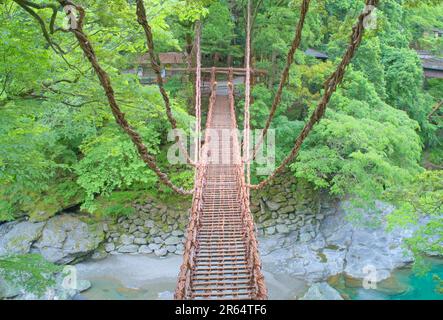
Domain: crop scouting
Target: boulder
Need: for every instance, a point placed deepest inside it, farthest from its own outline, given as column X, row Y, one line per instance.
column 140, row 241
column 287, row 209
column 140, row 234
column 279, row 198
column 144, row 249
column 377, row 250
column 8, row 290
column 273, row 206
column 164, row 235
column 83, row 285
column 158, row 240
column 126, row 239
column 322, row 291
column 161, row 252
column 51, row 284
column 130, row 248
column 132, row 228
column 171, row 248
column 270, row 230
column 282, row 228
column 99, row 255
column 177, row 233
column 268, row 223
column 19, row 237
column 172, row 240
column 154, row 246
column 305, row 237
column 66, row 238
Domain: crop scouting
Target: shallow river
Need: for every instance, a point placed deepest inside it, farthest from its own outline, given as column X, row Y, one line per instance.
column 140, row 277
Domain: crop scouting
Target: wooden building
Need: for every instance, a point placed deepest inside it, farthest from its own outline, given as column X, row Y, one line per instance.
column 432, row 65
column 168, row 60
column 434, row 32
column 316, row 54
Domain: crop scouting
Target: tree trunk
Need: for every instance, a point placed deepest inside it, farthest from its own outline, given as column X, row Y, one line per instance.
column 190, row 64
column 273, row 70
column 230, row 60
column 216, row 58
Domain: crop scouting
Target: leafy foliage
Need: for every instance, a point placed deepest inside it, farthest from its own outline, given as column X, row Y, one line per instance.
column 30, row 272
column 111, row 162
column 60, row 145
column 420, row 203
column 218, row 31
column 362, row 141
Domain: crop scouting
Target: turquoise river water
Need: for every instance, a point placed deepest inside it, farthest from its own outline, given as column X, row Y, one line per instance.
column 404, row 285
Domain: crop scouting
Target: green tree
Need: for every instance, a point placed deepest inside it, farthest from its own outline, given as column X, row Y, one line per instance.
column 218, row 31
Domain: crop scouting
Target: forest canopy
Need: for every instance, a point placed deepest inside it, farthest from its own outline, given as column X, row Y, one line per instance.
column 60, row 146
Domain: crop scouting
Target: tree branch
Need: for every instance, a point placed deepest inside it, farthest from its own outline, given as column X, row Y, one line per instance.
column 26, row 5
column 105, row 81
column 435, row 109
column 330, row 86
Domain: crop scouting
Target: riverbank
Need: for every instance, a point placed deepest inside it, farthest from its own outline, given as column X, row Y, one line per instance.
column 310, row 250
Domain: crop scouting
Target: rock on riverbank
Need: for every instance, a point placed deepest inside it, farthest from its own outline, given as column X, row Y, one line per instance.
column 338, row 248
column 62, row 239
column 322, row 291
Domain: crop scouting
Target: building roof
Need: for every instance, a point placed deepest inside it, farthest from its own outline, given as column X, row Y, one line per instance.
column 437, row 30
column 316, row 54
column 430, row 61
column 165, row 58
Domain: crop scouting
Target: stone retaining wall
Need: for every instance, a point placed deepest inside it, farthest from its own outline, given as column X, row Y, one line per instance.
column 285, row 207
column 155, row 228
column 290, row 206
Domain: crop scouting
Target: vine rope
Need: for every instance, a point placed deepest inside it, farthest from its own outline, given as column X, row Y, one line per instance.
column 105, row 81
column 330, row 86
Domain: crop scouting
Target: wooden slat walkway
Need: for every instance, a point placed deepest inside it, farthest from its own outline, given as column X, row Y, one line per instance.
column 221, row 269
column 221, row 257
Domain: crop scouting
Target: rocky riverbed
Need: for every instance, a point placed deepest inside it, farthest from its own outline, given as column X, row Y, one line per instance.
column 306, row 243
column 293, row 269
column 129, row 276
column 338, row 247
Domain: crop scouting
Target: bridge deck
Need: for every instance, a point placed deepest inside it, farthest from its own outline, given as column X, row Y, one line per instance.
column 221, row 269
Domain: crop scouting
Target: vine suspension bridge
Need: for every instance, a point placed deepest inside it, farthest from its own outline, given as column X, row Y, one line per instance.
column 221, row 259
